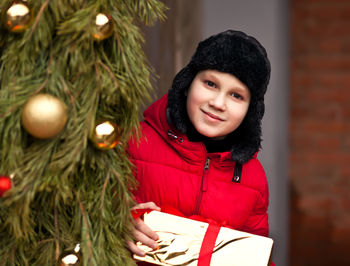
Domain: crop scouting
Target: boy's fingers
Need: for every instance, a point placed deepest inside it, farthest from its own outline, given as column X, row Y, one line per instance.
column 152, row 205
column 145, row 230
column 144, row 239
column 134, row 249
column 147, row 205
column 142, row 232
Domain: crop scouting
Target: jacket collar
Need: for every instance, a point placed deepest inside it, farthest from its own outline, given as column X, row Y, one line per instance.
column 192, row 151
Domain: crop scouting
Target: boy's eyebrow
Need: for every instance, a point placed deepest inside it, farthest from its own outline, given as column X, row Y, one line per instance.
column 211, row 76
column 240, row 88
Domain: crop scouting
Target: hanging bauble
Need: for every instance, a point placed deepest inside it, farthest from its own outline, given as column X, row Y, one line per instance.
column 70, row 257
column 105, row 135
column 5, row 184
column 102, row 27
column 18, row 17
column 44, row 116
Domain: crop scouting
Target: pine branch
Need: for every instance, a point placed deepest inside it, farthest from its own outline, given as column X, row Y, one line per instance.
column 65, row 191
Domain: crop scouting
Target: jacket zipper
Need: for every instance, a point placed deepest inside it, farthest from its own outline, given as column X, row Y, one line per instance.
column 204, row 185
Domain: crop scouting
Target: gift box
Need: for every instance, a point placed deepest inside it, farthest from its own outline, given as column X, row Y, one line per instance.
column 184, row 241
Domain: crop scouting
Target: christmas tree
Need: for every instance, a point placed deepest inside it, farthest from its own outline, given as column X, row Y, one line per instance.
column 72, row 77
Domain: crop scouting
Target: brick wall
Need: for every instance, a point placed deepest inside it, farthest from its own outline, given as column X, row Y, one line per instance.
column 320, row 133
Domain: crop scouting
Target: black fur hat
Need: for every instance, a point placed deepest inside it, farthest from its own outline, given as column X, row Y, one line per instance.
column 243, row 56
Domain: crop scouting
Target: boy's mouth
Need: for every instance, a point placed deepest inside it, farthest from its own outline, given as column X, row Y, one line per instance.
column 213, row 116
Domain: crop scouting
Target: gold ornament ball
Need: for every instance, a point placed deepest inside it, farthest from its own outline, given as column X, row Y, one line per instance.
column 106, row 135
column 18, row 17
column 102, row 27
column 44, row 116
column 70, row 257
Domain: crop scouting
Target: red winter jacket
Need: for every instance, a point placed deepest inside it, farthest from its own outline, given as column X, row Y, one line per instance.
column 173, row 171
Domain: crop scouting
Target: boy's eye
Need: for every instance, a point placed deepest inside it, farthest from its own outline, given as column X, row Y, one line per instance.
column 210, row 83
column 236, row 95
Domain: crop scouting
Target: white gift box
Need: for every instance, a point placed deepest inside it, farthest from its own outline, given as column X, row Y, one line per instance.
column 181, row 239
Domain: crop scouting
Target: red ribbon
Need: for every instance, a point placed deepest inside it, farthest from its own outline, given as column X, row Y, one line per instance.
column 208, row 245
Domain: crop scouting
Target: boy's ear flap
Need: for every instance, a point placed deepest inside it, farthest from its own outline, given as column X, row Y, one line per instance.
column 186, row 92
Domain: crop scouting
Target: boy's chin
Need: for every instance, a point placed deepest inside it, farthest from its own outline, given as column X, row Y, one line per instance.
column 213, row 136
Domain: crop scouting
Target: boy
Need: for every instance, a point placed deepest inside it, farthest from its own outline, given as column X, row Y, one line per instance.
column 198, row 151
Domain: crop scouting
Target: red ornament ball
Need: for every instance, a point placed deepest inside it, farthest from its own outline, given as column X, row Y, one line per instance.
column 5, row 184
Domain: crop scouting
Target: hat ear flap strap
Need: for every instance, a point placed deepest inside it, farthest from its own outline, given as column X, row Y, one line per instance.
column 237, row 173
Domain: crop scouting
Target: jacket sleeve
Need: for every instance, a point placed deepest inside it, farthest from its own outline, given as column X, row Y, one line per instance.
column 257, row 222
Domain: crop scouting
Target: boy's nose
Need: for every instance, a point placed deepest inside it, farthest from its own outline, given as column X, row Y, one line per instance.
column 218, row 102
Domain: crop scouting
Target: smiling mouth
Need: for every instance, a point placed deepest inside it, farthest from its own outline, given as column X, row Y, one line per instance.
column 213, row 116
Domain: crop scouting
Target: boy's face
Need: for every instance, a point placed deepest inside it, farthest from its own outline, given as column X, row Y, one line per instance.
column 217, row 103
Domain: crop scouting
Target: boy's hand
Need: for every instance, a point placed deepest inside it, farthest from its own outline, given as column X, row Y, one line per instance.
column 142, row 232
